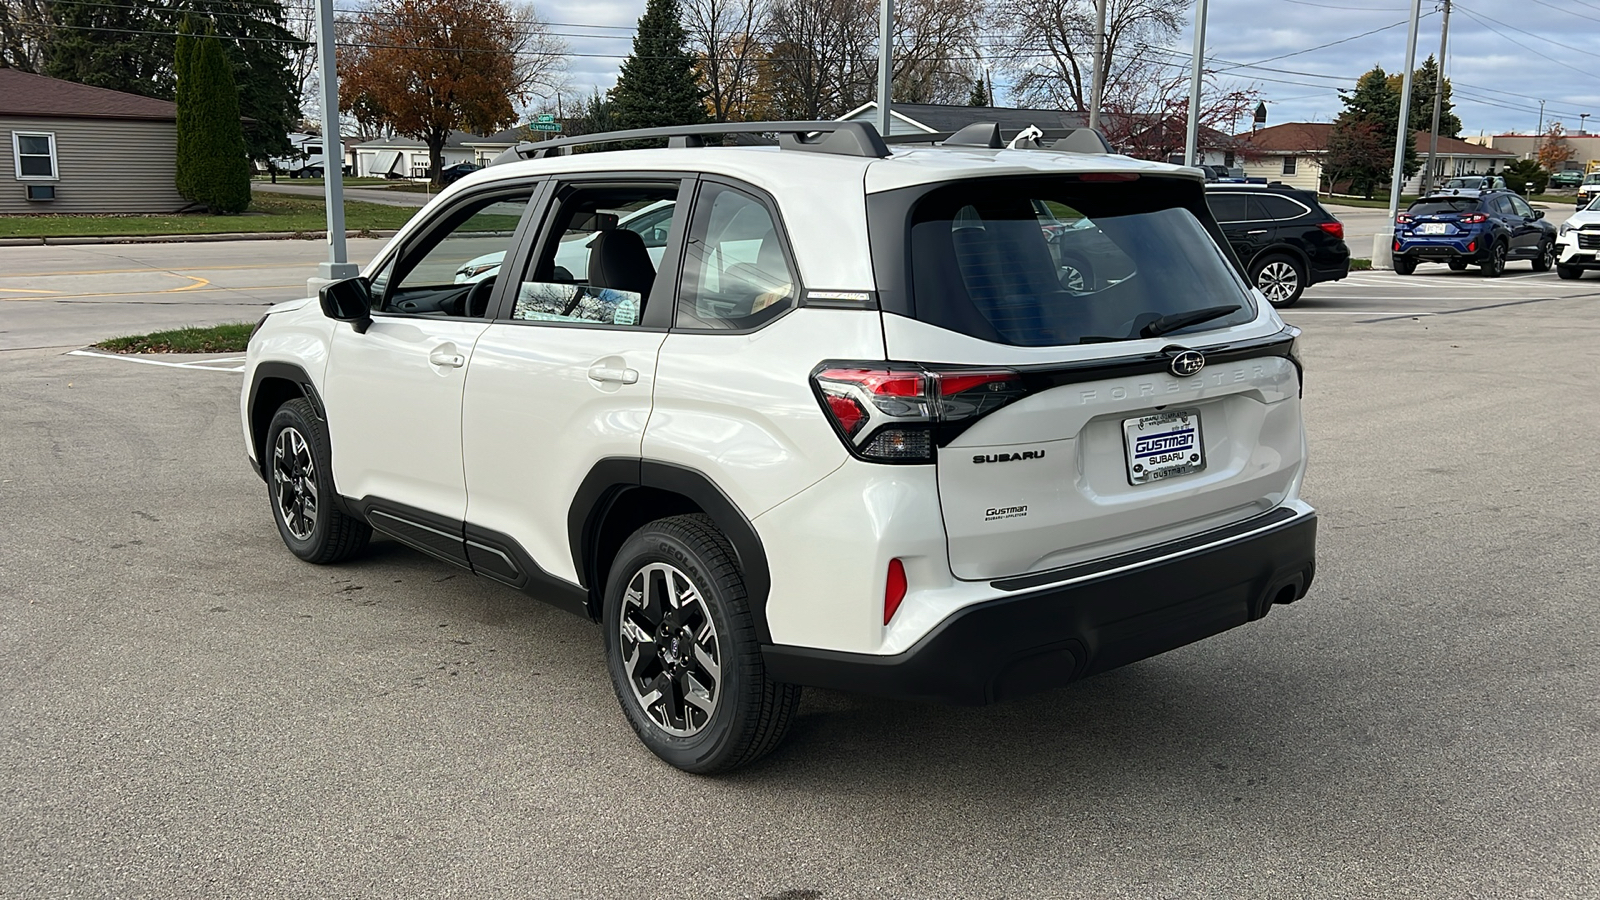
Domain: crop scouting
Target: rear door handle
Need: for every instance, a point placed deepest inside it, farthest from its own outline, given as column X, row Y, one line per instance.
column 614, row 375
column 445, row 357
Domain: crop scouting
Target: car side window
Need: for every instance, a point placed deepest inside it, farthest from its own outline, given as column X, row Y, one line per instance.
column 1521, row 207
column 600, row 255
column 1228, row 207
column 737, row 273
column 1280, row 207
column 453, row 269
column 1502, row 206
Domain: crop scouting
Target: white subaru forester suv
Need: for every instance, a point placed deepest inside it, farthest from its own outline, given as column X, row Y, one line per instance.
column 953, row 422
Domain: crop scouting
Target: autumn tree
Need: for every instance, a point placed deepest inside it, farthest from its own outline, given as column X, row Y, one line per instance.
column 657, row 86
column 1049, row 45
column 724, row 37
column 1360, row 153
column 1554, row 151
column 1157, row 128
column 1366, row 132
column 427, row 68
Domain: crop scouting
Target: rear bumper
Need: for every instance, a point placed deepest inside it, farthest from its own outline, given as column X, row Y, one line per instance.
column 1444, row 249
column 1044, row 638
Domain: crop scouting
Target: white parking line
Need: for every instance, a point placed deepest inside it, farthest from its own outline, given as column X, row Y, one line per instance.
column 221, row 364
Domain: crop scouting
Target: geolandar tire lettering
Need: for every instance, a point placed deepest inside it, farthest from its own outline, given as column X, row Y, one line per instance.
column 682, row 651
column 300, row 488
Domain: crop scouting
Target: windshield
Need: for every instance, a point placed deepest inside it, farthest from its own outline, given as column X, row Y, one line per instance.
column 1463, row 182
column 1443, row 205
column 1592, row 179
column 990, row 259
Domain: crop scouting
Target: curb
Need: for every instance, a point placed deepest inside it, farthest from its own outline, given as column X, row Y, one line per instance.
column 186, row 238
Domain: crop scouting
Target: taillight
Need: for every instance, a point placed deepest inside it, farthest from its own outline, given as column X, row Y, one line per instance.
column 1474, row 218
column 1402, row 219
column 894, row 589
column 1334, row 228
column 893, row 413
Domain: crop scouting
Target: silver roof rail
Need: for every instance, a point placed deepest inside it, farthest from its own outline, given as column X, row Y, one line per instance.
column 843, row 138
column 991, row 136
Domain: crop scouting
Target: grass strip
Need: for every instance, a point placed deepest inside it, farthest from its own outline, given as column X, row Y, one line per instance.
column 267, row 213
column 229, row 338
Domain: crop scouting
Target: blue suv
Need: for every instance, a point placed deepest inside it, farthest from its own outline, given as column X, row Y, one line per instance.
column 1473, row 228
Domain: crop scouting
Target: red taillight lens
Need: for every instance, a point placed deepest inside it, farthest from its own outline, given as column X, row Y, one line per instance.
column 1474, row 218
column 1336, row 228
column 847, row 412
column 894, row 589
column 889, row 414
column 1402, row 219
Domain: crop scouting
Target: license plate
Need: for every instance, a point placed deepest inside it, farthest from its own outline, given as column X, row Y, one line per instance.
column 1434, row 228
column 1164, row 445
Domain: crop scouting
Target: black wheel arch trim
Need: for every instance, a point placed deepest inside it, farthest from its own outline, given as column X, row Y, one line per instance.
column 276, row 371
column 609, row 482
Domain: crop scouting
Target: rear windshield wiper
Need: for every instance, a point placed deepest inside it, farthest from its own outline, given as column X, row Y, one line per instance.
column 1168, row 324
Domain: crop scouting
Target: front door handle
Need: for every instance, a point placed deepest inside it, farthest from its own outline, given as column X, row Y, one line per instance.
column 445, row 357
column 1257, row 231
column 613, row 374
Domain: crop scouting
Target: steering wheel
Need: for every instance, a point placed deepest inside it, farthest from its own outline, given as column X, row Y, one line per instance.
column 476, row 303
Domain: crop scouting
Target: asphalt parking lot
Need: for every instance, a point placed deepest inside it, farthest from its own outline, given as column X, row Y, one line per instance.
column 188, row 711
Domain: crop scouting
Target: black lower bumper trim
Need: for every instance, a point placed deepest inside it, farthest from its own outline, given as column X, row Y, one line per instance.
column 1017, row 645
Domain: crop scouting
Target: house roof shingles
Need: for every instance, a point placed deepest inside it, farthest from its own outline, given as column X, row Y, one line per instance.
column 35, row 96
column 1312, row 137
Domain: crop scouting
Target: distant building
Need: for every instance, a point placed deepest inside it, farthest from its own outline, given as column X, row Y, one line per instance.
column 72, row 148
column 1584, row 147
column 1293, row 153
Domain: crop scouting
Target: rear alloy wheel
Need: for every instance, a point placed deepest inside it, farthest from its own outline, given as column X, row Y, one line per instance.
column 1568, row 273
column 1280, row 279
column 1495, row 265
column 1404, row 265
column 1458, row 265
column 300, row 486
column 1075, row 275
column 682, row 650
column 1546, row 258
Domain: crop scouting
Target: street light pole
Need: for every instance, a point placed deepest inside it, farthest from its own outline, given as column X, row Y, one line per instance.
column 886, row 63
column 1582, row 118
column 338, row 265
column 1438, row 99
column 1192, row 139
column 1097, row 83
column 1382, row 249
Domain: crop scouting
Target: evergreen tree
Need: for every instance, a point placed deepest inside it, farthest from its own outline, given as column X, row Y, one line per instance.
column 1361, row 145
column 1422, row 81
column 258, row 47
column 658, row 86
column 218, row 172
column 182, row 66
column 113, row 44
column 980, row 94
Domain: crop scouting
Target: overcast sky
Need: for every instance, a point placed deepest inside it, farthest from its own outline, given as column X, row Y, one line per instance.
column 1504, row 55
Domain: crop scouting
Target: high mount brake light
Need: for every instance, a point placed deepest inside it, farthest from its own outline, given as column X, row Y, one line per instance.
column 1334, row 228
column 891, row 413
column 1108, row 176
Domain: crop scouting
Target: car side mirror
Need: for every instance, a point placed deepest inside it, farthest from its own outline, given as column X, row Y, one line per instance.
column 1538, row 214
column 350, row 301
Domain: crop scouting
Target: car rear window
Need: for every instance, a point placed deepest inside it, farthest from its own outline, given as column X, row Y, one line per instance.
column 1444, row 205
column 1057, row 260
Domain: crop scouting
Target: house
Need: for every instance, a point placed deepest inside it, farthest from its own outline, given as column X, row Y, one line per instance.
column 1145, row 136
column 1293, row 153
column 72, row 148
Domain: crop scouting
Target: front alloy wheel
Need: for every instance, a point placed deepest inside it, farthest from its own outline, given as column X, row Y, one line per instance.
column 670, row 650
column 300, row 485
column 1546, row 258
column 294, row 478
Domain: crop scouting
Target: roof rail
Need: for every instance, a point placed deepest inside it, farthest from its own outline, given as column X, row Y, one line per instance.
column 843, row 138
column 992, row 136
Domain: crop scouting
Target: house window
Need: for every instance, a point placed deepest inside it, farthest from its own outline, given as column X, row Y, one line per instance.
column 1228, row 159
column 35, row 155
column 1288, row 165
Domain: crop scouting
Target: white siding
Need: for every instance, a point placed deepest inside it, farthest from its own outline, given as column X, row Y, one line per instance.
column 103, row 166
column 1307, row 171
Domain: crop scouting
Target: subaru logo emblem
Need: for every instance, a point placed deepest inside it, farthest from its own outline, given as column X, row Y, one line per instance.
column 1188, row 362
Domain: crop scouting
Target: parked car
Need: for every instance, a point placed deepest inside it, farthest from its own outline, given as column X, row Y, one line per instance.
column 1485, row 229
column 1286, row 240
column 877, row 443
column 1588, row 189
column 1567, row 179
column 452, row 174
column 1578, row 243
column 1473, row 183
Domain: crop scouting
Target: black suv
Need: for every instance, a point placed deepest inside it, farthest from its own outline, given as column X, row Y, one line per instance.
column 1466, row 229
column 1284, row 237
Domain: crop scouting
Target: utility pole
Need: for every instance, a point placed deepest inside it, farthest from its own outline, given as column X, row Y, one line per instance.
column 1097, row 83
column 886, row 63
column 1438, row 99
column 1541, row 117
column 338, row 266
column 1383, row 241
column 1191, row 141
column 1582, row 118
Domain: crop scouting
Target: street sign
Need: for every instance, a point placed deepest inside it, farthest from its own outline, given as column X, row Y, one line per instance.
column 547, row 126
column 545, row 119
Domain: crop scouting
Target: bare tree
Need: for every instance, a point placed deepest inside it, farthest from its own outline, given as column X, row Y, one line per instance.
column 1050, row 48
column 723, row 37
column 24, row 29
column 934, row 49
column 821, row 62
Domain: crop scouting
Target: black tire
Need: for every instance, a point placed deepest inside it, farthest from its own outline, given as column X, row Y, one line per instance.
column 1494, row 265
column 297, row 460
column 749, row 713
column 1280, row 278
column 1457, row 265
column 1568, row 273
column 1075, row 274
column 1546, row 258
column 1404, row 265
